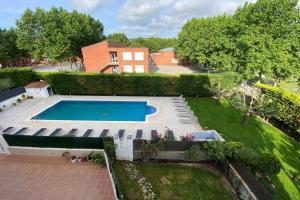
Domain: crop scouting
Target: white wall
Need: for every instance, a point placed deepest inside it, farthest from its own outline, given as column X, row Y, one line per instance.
column 33, row 151
column 37, row 92
column 124, row 149
column 3, row 146
column 9, row 102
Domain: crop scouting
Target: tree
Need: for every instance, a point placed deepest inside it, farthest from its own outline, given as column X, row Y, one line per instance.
column 119, row 38
column 219, row 92
column 267, row 38
column 29, row 29
column 57, row 33
column 206, row 41
column 8, row 46
column 153, row 43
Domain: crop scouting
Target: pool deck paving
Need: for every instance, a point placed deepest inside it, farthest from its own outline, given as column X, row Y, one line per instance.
column 52, row 178
column 166, row 116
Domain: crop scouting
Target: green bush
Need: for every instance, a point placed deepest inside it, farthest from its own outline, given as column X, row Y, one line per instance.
column 19, row 76
column 215, row 150
column 267, row 165
column 285, row 105
column 97, row 158
column 232, row 148
column 195, row 153
column 5, row 84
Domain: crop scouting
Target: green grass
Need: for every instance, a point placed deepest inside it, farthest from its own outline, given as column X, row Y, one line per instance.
column 129, row 188
column 258, row 135
column 174, row 182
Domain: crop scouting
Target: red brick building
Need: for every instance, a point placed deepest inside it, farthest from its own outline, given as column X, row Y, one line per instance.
column 165, row 56
column 110, row 57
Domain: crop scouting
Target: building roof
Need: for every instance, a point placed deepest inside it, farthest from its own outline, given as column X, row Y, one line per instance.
column 37, row 84
column 169, row 49
column 115, row 44
column 4, row 95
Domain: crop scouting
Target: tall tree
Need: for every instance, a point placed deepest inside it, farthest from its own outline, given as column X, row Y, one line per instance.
column 267, row 38
column 56, row 33
column 8, row 46
column 206, row 41
column 29, row 31
column 153, row 43
column 118, row 37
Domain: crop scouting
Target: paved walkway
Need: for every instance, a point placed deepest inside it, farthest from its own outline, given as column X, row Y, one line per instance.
column 178, row 69
column 52, row 178
column 166, row 116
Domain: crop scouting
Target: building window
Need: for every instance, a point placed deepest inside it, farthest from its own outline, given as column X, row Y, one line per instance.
column 139, row 55
column 139, row 69
column 127, row 68
column 127, row 56
column 113, row 57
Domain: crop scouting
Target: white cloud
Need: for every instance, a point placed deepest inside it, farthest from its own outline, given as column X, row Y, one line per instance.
column 87, row 6
column 165, row 17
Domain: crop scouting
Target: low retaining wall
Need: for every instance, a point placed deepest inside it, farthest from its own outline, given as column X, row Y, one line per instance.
column 34, row 151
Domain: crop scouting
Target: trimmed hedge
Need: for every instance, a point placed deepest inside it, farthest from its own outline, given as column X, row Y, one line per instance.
column 284, row 104
column 19, row 76
column 78, row 83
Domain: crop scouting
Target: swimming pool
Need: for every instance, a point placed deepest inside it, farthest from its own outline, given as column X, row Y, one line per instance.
column 97, row 111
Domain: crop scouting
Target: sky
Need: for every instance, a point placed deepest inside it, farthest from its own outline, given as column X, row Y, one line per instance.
column 135, row 18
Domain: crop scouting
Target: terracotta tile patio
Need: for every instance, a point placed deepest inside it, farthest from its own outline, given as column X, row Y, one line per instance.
column 52, row 178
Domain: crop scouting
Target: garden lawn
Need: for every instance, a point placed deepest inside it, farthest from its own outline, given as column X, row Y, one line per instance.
column 128, row 188
column 173, row 182
column 258, row 135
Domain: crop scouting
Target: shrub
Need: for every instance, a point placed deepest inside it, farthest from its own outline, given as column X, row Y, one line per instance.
column 194, row 153
column 267, row 165
column 285, row 105
column 109, row 147
column 19, row 76
column 6, row 83
column 97, row 158
column 79, row 83
column 232, row 148
column 214, row 150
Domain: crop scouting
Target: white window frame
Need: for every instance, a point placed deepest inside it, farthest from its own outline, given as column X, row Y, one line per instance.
column 127, row 55
column 141, row 67
column 126, row 67
column 138, row 55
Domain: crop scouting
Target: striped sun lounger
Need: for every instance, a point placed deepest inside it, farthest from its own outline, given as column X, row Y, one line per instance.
column 72, row 132
column 104, row 133
column 121, row 133
column 87, row 133
column 139, row 134
column 20, row 131
column 39, row 132
column 7, row 130
column 55, row 132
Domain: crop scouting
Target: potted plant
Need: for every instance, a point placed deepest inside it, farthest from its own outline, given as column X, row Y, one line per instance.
column 73, row 159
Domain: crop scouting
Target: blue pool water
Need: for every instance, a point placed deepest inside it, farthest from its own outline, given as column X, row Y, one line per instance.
column 97, row 111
